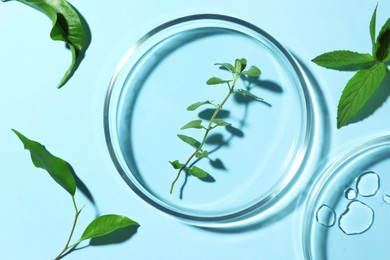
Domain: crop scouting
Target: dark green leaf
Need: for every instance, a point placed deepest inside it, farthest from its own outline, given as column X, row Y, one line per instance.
column 176, row 164
column 198, row 172
column 227, row 66
column 189, row 140
column 358, row 91
column 106, row 224
column 58, row 169
column 215, row 81
column 248, row 94
column 243, row 64
column 344, row 60
column 198, row 104
column 372, row 28
column 202, row 154
column 193, row 124
column 220, row 122
column 382, row 45
column 252, row 72
column 67, row 27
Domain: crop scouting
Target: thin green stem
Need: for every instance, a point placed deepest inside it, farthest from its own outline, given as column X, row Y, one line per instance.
column 208, row 129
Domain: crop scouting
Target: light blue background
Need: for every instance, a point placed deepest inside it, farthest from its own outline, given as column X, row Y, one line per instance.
column 36, row 215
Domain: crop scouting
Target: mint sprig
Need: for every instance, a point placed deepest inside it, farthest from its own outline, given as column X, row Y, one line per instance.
column 371, row 71
column 237, row 71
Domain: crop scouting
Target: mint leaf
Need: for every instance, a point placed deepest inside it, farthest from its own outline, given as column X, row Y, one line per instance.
column 220, row 122
column 202, row 154
column 252, row 72
column 193, row 124
column 106, row 224
column 67, row 27
column 227, row 66
column 382, row 45
column 344, row 60
column 358, row 91
column 215, row 81
column 198, row 172
column 372, row 29
column 194, row 106
column 176, row 164
column 57, row 168
column 248, row 94
column 189, row 140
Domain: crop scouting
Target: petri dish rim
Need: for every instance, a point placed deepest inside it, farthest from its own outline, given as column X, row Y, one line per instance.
column 266, row 203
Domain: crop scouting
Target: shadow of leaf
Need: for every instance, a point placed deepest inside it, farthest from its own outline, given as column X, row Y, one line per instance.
column 218, row 164
column 216, row 139
column 234, row 131
column 117, row 237
column 207, row 113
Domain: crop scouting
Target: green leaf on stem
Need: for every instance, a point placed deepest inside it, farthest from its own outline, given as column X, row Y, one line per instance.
column 58, row 169
column 227, row 66
column 372, row 29
column 198, row 172
column 66, row 27
column 220, row 122
column 194, row 106
column 358, row 91
column 216, row 81
column 344, row 60
column 193, row 124
column 253, row 71
column 176, row 164
column 189, row 140
column 106, row 224
column 382, row 45
column 202, row 154
column 248, row 94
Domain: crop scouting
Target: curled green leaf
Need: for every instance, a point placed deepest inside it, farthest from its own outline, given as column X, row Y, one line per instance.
column 202, row 154
column 67, row 27
column 176, row 164
column 358, row 91
column 106, row 224
column 248, row 94
column 198, row 172
column 227, row 66
column 253, row 71
column 344, row 60
column 189, row 140
column 193, row 124
column 57, row 168
column 372, row 28
column 382, row 45
column 220, row 122
column 194, row 106
column 216, row 81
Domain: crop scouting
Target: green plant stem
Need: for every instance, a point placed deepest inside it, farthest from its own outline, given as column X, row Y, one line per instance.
column 208, row 129
column 71, row 232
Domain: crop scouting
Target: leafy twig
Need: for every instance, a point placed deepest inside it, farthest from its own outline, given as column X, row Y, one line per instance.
column 237, row 71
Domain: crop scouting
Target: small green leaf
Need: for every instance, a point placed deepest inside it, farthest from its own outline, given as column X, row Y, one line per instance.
column 176, row 164
column 67, row 27
column 198, row 172
column 252, row 72
column 58, row 169
column 237, row 66
column 344, row 60
column 220, row 122
column 372, row 28
column 189, row 140
column 215, row 81
column 194, row 106
column 106, row 224
column 243, row 64
column 358, row 91
column 382, row 45
column 202, row 154
column 248, row 94
column 227, row 66
column 193, row 124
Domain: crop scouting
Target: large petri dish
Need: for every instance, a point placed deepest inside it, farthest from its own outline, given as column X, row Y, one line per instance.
column 252, row 163
column 347, row 213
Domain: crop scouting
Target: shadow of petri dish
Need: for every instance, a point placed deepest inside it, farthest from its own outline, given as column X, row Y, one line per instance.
column 340, row 176
column 145, row 107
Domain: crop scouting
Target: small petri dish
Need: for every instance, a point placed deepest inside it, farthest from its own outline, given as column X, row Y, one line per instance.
column 251, row 163
column 347, row 213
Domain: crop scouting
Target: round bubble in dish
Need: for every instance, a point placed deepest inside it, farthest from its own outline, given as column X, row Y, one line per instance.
column 251, row 162
column 352, row 194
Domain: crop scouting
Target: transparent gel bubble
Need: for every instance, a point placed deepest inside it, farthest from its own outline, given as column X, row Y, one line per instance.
column 356, row 219
column 386, row 198
column 368, row 184
column 350, row 194
column 326, row 216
